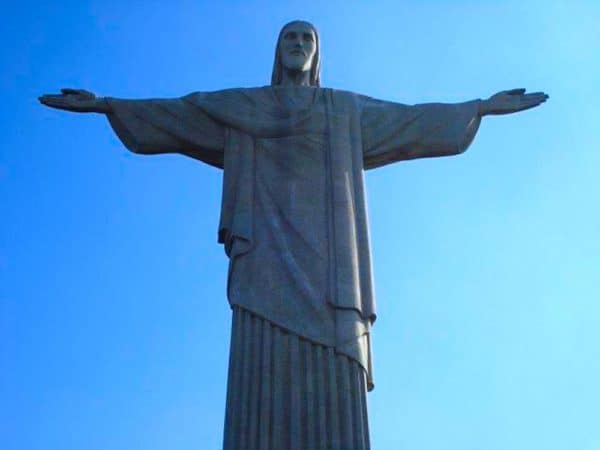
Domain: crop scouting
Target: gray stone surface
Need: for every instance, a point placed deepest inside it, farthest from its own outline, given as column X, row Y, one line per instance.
column 293, row 217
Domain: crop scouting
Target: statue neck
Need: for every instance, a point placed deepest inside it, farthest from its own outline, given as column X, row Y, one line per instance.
column 295, row 78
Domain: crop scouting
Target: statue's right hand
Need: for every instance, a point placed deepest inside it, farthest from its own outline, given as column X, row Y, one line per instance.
column 76, row 100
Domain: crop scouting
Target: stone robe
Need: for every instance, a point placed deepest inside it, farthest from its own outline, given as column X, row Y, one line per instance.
column 294, row 218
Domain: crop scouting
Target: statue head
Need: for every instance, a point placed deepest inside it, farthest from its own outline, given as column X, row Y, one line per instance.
column 297, row 50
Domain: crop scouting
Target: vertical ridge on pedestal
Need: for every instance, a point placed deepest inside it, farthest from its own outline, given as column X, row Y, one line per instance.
column 321, row 397
column 296, row 376
column 264, row 429
column 255, row 384
column 334, row 411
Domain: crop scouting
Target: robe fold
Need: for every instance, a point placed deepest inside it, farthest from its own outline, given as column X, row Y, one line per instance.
column 293, row 217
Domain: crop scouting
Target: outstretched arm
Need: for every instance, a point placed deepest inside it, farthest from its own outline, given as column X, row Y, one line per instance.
column 394, row 132
column 152, row 126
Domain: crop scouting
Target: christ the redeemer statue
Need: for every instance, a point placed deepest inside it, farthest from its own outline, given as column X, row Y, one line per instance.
column 294, row 225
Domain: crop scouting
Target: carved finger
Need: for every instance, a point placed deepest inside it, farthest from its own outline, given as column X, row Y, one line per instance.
column 536, row 98
column 530, row 99
column 530, row 104
column 524, row 108
column 53, row 102
column 536, row 94
column 53, row 96
column 543, row 97
column 71, row 91
column 59, row 102
column 46, row 99
column 519, row 91
column 533, row 100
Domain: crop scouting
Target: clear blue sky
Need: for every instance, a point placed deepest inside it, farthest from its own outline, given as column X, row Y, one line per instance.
column 114, row 326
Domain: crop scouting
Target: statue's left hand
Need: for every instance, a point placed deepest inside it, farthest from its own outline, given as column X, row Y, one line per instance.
column 514, row 100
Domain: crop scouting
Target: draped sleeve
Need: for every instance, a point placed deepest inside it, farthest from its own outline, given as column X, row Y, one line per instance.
column 176, row 125
column 394, row 132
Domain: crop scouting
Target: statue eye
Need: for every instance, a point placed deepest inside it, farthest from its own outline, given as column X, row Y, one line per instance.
column 290, row 35
column 308, row 37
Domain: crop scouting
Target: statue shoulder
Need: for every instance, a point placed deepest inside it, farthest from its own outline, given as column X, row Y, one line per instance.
column 346, row 100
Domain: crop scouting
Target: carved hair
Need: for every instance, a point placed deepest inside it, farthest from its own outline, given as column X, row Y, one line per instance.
column 315, row 68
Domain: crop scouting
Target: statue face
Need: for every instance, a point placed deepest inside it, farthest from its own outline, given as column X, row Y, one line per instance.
column 297, row 47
